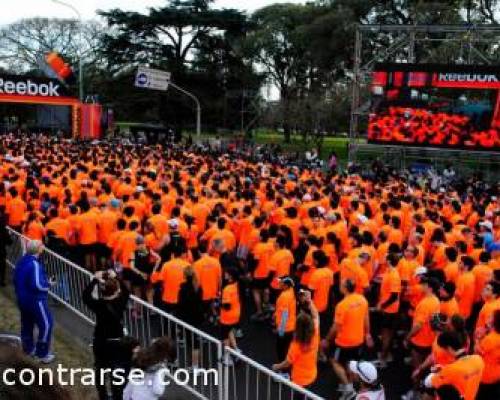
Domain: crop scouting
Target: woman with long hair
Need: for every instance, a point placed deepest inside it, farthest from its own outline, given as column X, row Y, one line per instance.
column 302, row 355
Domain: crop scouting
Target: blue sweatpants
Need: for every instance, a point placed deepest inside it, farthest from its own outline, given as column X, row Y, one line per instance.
column 36, row 313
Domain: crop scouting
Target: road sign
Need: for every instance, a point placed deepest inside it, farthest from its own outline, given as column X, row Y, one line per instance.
column 154, row 79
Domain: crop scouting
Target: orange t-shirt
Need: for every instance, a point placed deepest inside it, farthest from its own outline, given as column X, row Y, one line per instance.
column 286, row 302
column 106, row 225
column 88, row 228
column 482, row 274
column 280, row 263
column 466, row 287
column 427, row 307
column 320, row 283
column 60, row 227
column 489, row 349
column 464, row 374
column 391, row 283
column 450, row 308
column 172, row 276
column 209, row 273
column 16, row 209
column 350, row 269
column 231, row 296
column 34, row 230
column 262, row 253
column 126, row 246
column 304, row 360
column 350, row 316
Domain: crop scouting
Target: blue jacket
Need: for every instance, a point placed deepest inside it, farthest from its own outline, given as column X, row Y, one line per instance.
column 30, row 280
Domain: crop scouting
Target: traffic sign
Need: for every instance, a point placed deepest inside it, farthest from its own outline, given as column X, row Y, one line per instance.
column 155, row 79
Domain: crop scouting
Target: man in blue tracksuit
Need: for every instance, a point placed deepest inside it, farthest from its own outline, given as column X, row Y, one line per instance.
column 32, row 286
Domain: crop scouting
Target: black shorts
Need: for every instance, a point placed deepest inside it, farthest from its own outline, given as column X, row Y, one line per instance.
column 86, row 249
column 103, row 251
column 133, row 278
column 389, row 321
column 224, row 331
column 261, row 284
column 343, row 355
column 423, row 351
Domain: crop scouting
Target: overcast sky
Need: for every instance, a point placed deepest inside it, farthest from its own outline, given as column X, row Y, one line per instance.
column 18, row 9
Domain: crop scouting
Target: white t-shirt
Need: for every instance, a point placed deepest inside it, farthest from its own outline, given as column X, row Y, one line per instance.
column 371, row 395
column 152, row 388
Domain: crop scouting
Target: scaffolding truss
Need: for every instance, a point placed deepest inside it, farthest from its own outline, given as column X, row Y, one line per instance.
column 402, row 41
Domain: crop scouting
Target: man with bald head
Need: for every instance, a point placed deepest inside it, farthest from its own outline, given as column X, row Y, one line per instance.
column 32, row 288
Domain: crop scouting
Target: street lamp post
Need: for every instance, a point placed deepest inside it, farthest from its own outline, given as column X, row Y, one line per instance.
column 80, row 62
column 198, row 106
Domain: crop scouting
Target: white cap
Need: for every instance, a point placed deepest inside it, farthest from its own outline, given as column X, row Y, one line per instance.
column 173, row 223
column 331, row 216
column 139, row 189
column 486, row 224
column 365, row 370
column 307, row 197
column 420, row 271
column 321, row 210
column 428, row 381
column 362, row 219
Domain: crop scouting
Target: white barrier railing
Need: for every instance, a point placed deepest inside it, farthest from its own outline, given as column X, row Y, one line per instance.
column 247, row 380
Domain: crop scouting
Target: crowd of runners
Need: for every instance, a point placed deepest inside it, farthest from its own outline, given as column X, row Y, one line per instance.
column 341, row 267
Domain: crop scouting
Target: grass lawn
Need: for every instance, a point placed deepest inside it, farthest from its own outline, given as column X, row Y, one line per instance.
column 69, row 353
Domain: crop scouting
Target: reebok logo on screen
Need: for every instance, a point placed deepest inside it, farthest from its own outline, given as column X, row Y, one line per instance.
column 29, row 88
column 468, row 78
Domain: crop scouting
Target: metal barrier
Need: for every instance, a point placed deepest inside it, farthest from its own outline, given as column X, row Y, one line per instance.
column 246, row 379
column 195, row 349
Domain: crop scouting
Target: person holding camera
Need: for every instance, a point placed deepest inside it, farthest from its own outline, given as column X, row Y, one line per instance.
column 107, row 297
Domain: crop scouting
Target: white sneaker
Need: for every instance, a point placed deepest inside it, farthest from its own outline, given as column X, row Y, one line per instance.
column 47, row 359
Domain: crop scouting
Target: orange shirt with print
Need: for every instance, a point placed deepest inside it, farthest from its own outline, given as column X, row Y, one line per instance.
column 482, row 274
column 286, row 302
column 209, row 273
column 172, row 277
column 320, row 283
column 61, row 227
column 350, row 316
column 450, row 308
column 88, row 228
column 464, row 374
column 489, row 349
column 304, row 360
column 391, row 283
column 466, row 287
column 424, row 311
column 262, row 252
column 280, row 263
column 231, row 296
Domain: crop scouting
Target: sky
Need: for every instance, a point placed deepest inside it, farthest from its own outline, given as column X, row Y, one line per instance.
column 46, row 8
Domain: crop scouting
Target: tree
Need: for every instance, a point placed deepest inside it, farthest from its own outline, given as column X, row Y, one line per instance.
column 167, row 36
column 279, row 48
column 24, row 43
column 183, row 37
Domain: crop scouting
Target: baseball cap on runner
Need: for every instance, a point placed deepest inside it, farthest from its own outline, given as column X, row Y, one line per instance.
column 486, row 224
column 286, row 280
column 365, row 370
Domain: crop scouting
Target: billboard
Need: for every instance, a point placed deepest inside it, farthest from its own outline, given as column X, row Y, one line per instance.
column 452, row 106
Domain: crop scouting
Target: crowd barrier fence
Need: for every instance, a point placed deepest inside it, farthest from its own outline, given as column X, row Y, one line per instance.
column 237, row 376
